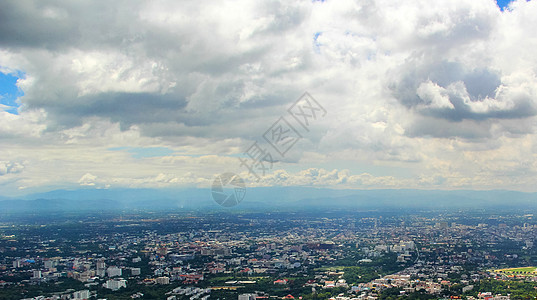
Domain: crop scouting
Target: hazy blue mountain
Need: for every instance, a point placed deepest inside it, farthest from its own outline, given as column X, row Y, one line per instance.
column 427, row 199
column 270, row 198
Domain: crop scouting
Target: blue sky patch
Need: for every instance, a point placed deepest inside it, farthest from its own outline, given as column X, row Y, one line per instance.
column 9, row 92
column 140, row 152
column 316, row 44
column 502, row 4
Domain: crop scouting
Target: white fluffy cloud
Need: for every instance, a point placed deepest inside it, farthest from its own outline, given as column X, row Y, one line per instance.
column 417, row 95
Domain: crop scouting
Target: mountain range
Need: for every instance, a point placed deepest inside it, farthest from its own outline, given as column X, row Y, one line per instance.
column 266, row 198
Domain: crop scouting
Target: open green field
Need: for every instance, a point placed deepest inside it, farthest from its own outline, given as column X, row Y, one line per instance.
column 524, row 270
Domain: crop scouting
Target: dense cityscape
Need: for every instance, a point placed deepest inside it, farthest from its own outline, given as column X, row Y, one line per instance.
column 271, row 255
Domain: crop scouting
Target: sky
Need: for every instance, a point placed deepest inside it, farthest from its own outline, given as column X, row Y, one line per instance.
column 157, row 94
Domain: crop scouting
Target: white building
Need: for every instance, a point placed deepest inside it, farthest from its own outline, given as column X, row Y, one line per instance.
column 113, row 271
column 81, row 295
column 408, row 245
column 163, row 280
column 247, row 296
column 115, row 284
column 16, row 263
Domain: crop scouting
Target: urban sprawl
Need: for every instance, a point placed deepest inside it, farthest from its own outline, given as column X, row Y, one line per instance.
column 270, row 255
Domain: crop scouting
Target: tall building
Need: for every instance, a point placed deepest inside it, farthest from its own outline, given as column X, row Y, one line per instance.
column 101, row 268
column 36, row 274
column 100, row 272
column 16, row 263
column 101, row 264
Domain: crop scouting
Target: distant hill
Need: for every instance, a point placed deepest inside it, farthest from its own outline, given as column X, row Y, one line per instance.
column 428, row 199
column 268, row 198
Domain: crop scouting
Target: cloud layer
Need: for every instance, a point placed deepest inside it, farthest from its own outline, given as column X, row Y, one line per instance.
column 417, row 95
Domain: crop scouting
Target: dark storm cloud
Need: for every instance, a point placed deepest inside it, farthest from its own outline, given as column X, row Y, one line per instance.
column 125, row 108
column 167, row 115
column 23, row 24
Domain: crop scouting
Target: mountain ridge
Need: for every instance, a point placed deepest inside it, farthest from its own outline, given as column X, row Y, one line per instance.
column 299, row 198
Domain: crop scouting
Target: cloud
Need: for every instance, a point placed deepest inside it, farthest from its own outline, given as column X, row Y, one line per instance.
column 23, row 126
column 321, row 177
column 87, row 180
column 447, row 91
column 8, row 167
column 406, row 86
